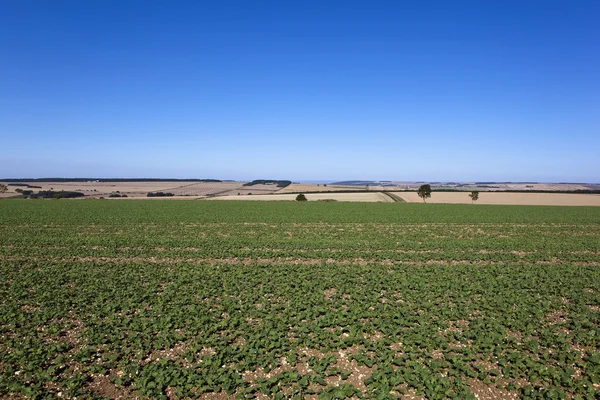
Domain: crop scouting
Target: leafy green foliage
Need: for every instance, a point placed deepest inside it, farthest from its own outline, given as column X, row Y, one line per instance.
column 424, row 191
column 474, row 195
column 159, row 194
column 151, row 298
column 50, row 194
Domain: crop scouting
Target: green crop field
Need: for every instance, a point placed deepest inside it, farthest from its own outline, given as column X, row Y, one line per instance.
column 191, row 299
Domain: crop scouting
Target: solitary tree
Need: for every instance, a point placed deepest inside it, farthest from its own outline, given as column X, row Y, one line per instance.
column 3, row 188
column 424, row 192
column 474, row 195
column 301, row 197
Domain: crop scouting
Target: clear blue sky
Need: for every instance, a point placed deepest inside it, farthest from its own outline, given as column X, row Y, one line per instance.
column 302, row 90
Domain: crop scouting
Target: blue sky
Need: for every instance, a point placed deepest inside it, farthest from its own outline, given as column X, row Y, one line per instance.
column 302, row 90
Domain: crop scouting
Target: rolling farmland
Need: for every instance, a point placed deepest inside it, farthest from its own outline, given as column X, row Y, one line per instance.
column 374, row 197
column 205, row 188
column 540, row 199
column 134, row 189
column 162, row 299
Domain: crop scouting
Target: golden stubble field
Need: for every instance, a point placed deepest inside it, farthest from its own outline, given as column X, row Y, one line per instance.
column 230, row 190
column 540, row 199
column 309, row 187
column 373, row 197
column 101, row 188
column 183, row 189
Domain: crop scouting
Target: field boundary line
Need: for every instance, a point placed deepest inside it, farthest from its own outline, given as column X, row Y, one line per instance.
column 397, row 199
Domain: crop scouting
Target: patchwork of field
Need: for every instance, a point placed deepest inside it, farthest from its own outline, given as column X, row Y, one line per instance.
column 139, row 189
column 306, row 187
column 481, row 186
column 98, row 189
column 542, row 186
column 351, row 197
column 162, row 299
column 259, row 189
column 205, row 188
column 540, row 199
column 231, row 190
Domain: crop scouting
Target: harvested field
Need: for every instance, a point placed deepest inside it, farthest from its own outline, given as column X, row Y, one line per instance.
column 252, row 189
column 348, row 197
column 97, row 189
column 305, row 187
column 543, row 186
column 135, row 189
column 259, row 187
column 204, row 188
column 463, row 186
column 539, row 199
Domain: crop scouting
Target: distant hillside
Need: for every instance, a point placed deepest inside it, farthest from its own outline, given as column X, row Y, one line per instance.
column 106, row 180
column 353, row 183
column 364, row 183
column 280, row 184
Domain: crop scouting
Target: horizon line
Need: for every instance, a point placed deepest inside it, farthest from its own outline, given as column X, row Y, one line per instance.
column 51, row 179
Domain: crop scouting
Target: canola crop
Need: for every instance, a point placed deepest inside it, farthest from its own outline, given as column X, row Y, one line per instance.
column 173, row 299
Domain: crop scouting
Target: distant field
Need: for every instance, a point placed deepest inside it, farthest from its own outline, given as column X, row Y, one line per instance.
column 481, row 186
column 540, row 199
column 204, row 188
column 352, row 197
column 138, row 189
column 556, row 199
column 237, row 191
column 304, row 187
column 216, row 300
column 102, row 188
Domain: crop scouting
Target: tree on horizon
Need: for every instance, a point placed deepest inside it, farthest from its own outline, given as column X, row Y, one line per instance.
column 474, row 195
column 424, row 191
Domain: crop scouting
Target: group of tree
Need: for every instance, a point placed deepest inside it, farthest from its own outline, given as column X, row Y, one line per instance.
column 159, row 194
column 43, row 194
column 24, row 185
column 424, row 192
column 51, row 194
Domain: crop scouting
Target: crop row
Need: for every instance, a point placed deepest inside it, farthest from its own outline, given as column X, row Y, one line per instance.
column 157, row 308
